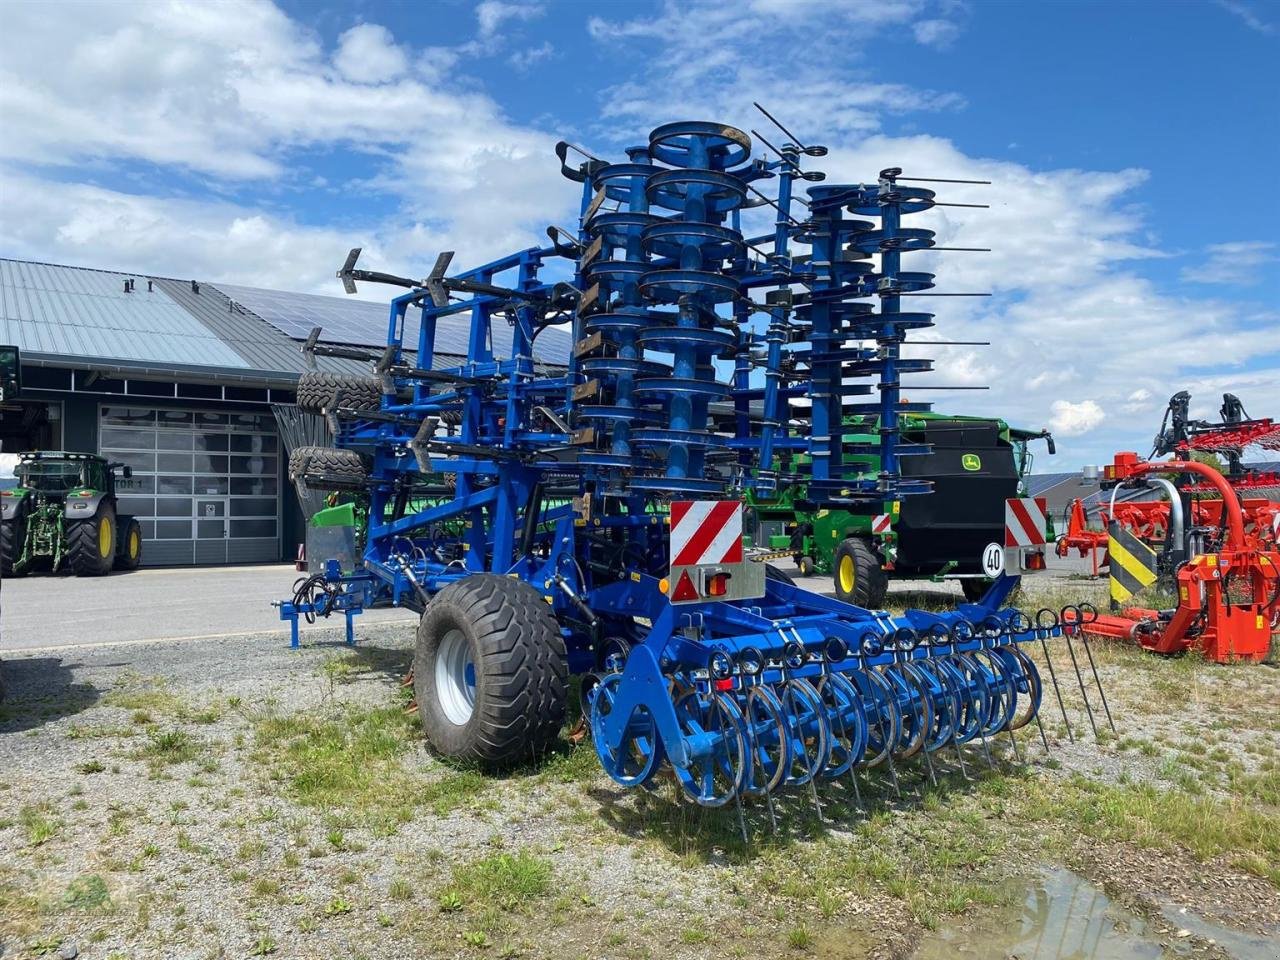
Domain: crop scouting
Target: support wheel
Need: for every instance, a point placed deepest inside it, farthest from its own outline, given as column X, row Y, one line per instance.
column 316, row 390
column 91, row 544
column 328, row 468
column 129, row 549
column 858, row 577
column 490, row 671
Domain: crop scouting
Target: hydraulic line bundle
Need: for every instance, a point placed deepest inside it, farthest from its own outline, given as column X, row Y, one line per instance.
column 582, row 514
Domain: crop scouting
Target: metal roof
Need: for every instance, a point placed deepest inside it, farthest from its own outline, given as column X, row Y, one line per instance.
column 53, row 310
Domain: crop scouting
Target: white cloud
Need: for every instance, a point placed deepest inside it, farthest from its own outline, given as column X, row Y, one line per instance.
column 492, row 14
column 524, row 59
column 1073, row 419
column 938, row 34
column 1247, row 16
column 367, row 53
column 1238, row 262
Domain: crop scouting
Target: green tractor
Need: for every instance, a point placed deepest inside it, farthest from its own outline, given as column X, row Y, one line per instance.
column 974, row 463
column 63, row 511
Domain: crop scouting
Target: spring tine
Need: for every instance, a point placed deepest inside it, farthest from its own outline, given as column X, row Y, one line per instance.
column 751, row 770
column 928, row 761
column 1043, row 739
column 1080, row 679
column 808, row 763
column 1053, row 675
column 1084, row 639
column 1014, row 740
column 742, row 821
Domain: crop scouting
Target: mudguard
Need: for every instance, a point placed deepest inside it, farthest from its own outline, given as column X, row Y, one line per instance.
column 9, row 505
column 79, row 507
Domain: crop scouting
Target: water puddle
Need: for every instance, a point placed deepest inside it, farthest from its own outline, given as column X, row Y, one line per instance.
column 1063, row 918
column 1238, row 943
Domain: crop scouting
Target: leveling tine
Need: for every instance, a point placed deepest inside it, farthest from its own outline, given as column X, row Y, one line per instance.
column 1080, row 680
column 1080, row 611
column 1043, row 631
column 791, row 649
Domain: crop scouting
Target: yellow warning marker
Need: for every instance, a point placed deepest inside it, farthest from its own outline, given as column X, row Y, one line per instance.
column 1133, row 563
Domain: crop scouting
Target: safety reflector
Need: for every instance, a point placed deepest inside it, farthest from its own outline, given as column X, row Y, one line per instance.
column 684, row 588
column 723, row 685
column 718, row 585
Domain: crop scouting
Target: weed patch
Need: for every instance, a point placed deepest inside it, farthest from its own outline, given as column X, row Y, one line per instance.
column 506, row 881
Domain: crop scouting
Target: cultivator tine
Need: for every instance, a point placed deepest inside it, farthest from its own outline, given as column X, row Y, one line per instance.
column 1092, row 611
column 1080, row 680
column 1043, row 631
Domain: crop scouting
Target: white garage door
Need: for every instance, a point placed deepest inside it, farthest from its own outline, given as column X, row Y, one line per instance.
column 206, row 484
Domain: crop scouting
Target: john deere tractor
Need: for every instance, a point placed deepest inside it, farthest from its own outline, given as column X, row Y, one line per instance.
column 63, row 511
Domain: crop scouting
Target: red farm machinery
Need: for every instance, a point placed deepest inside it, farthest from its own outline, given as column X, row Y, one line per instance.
column 1210, row 539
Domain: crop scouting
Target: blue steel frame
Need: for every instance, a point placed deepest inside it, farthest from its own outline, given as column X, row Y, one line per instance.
column 580, row 514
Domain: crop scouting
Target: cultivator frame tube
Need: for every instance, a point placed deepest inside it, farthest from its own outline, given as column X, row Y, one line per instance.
column 562, row 479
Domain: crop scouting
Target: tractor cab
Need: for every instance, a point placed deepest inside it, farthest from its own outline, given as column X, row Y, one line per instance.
column 60, row 475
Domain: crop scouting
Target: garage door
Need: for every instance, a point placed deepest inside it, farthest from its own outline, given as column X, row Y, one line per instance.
column 205, row 486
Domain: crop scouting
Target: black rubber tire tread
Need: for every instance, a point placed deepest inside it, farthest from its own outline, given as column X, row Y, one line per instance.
column 869, row 582
column 13, row 533
column 127, row 525
column 83, row 556
column 521, row 671
column 328, row 468
column 316, row 390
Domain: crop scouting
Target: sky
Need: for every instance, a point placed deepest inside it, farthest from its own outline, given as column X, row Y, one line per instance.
column 1133, row 150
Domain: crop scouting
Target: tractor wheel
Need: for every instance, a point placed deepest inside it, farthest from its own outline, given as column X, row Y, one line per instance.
column 328, row 468
column 129, row 549
column 13, row 536
column 490, row 672
column 316, row 391
column 91, row 544
column 858, row 577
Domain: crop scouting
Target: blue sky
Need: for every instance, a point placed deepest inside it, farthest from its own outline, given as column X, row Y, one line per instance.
column 1133, row 147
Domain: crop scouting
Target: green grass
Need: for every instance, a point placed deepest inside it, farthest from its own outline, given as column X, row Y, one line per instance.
column 352, row 763
column 38, row 824
column 88, row 892
column 505, row 880
column 171, row 746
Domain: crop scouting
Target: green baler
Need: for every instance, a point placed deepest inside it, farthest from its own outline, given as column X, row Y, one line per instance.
column 974, row 464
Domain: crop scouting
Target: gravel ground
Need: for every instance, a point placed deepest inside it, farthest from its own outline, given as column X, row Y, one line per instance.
column 231, row 798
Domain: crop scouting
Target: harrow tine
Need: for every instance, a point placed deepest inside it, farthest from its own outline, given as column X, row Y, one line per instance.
column 1080, row 680
column 827, row 657
column 1084, row 639
column 1053, row 674
column 793, row 649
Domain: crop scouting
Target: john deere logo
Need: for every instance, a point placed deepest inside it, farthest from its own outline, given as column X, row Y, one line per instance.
column 971, row 461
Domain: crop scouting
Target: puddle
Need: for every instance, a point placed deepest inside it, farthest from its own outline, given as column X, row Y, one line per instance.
column 1238, row 943
column 1064, row 918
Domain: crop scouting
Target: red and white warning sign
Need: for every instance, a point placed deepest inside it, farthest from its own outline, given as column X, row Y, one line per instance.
column 1025, row 521
column 705, row 531
column 880, row 523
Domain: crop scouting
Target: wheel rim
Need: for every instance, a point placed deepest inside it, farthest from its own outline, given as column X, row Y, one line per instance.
column 104, row 538
column 134, row 544
column 455, row 678
column 847, row 574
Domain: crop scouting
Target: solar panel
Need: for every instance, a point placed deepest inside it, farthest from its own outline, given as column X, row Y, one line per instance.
column 1038, row 482
column 364, row 323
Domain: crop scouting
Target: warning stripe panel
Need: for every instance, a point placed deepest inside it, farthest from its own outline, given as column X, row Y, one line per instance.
column 1133, row 563
column 1024, row 521
column 706, row 531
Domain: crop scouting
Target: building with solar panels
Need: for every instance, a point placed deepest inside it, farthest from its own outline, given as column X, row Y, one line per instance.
column 189, row 383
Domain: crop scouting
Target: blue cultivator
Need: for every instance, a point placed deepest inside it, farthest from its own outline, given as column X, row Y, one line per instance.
column 578, row 513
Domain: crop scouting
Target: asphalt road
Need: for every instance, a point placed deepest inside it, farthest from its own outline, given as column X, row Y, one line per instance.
column 214, row 603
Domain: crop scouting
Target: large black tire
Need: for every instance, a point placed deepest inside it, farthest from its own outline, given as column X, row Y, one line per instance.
column 129, row 544
column 91, row 544
column 13, row 534
column 316, row 390
column 328, row 468
column 857, row 575
column 499, row 633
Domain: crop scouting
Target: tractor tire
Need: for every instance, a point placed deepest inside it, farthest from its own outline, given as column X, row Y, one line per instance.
column 13, row 536
column 316, row 390
column 129, row 549
column 805, row 566
column 91, row 544
column 858, row 577
column 490, row 672
column 328, row 468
